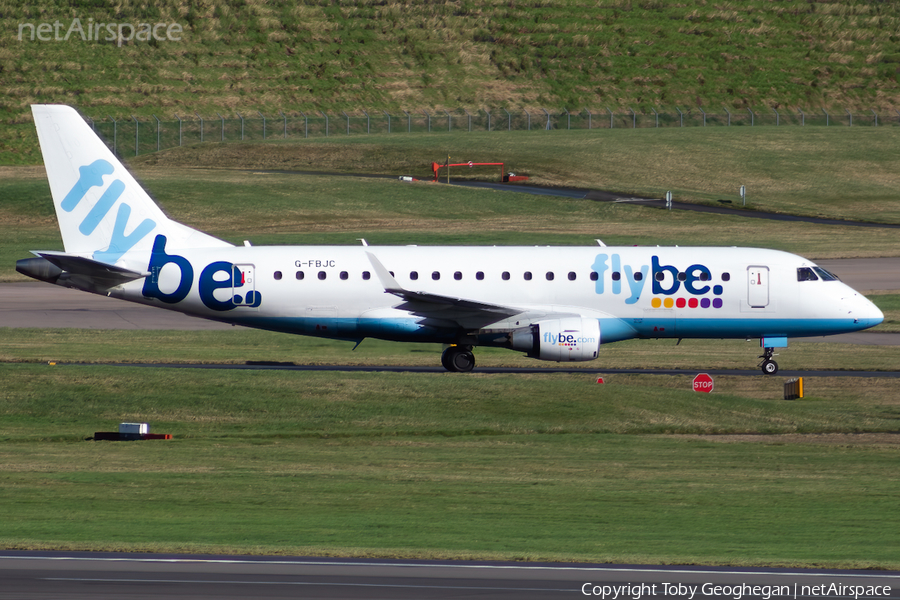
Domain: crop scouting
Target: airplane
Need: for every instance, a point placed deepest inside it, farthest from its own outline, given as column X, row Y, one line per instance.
column 550, row 303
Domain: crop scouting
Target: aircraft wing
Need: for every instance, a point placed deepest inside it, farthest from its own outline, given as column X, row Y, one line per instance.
column 469, row 313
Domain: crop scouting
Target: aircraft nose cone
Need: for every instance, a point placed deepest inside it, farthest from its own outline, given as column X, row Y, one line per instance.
column 865, row 313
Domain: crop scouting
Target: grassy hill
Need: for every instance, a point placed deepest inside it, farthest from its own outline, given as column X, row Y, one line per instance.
column 228, row 56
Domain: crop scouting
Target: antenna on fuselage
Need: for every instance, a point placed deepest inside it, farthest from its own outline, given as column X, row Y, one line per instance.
column 601, row 243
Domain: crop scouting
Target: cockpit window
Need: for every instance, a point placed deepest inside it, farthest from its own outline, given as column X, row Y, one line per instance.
column 806, row 274
column 826, row 275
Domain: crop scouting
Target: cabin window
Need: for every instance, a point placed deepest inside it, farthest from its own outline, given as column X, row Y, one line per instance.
column 505, row 276
column 704, row 276
column 527, row 275
column 595, row 276
column 344, row 275
column 550, row 275
column 682, row 276
column 726, row 277
column 277, row 275
column 638, row 276
column 806, row 274
column 366, row 275
column 660, row 276
column 826, row 275
column 572, row 276
column 616, row 276
column 435, row 275
column 300, row 275
column 413, row 275
column 322, row 275
column 479, row 276
column 457, row 276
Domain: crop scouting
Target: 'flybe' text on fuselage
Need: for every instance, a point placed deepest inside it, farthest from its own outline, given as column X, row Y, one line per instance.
column 693, row 280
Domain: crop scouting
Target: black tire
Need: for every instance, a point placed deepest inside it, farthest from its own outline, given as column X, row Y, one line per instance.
column 458, row 360
column 463, row 361
column 770, row 367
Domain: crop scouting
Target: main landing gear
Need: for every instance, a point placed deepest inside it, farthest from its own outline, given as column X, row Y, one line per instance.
column 768, row 366
column 458, row 359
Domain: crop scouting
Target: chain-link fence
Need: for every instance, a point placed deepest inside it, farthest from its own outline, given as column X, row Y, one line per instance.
column 132, row 137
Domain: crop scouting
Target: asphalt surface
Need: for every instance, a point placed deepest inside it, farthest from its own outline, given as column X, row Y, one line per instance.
column 73, row 576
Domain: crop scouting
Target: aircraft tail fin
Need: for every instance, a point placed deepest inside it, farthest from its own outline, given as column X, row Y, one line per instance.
column 104, row 214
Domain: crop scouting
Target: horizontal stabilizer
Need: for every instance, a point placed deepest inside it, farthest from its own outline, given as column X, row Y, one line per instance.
column 75, row 271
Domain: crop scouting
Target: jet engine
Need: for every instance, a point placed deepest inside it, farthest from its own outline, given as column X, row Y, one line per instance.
column 562, row 340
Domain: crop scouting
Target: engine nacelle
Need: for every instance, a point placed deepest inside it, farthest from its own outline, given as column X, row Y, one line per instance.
column 560, row 340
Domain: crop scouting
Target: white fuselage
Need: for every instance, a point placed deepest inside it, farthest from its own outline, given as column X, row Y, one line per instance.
column 634, row 292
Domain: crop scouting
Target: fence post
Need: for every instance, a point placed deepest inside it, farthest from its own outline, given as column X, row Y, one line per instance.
column 179, row 129
column 704, row 115
column 137, row 127
column 827, row 117
column 777, row 117
column 348, row 121
column 611, row 124
column 223, row 125
column 449, row 123
column 508, row 120
column 850, row 115
column 389, row 119
column 470, row 119
column 489, row 119
column 157, row 132
column 368, row 122
column 264, row 124
column 633, row 118
column 115, row 135
column 242, row 124
column 429, row 119
column 802, row 118
column 408, row 121
column 201, row 125
column 568, row 119
column 681, row 116
column 752, row 117
column 657, row 116
column 589, row 118
column 305, row 124
column 547, row 126
column 876, row 116
column 326, row 122
column 729, row 116
column 285, row 123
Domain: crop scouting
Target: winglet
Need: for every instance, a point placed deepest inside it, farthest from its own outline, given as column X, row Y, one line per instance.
column 387, row 280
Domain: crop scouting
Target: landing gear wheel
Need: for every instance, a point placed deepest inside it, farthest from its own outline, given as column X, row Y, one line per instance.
column 458, row 359
column 769, row 366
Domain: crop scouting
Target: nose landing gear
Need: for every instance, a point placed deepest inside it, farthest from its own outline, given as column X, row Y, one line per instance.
column 458, row 359
column 768, row 366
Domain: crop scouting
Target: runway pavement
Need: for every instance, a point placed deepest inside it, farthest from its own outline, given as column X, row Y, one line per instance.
column 45, row 575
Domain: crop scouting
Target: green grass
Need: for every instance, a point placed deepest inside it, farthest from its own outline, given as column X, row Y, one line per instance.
column 829, row 172
column 239, row 345
column 422, row 465
column 243, row 57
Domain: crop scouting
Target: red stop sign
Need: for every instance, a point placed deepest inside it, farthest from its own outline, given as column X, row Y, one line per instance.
column 703, row 383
